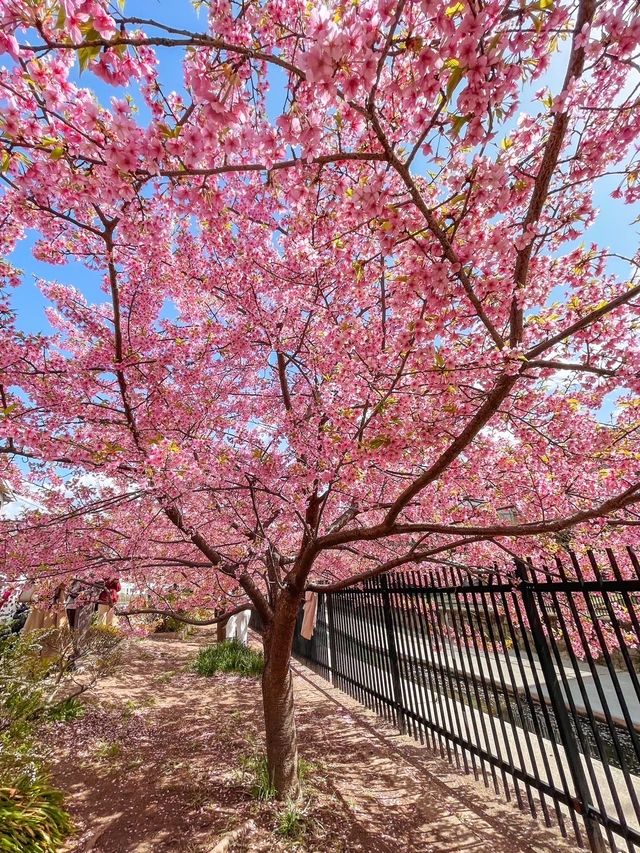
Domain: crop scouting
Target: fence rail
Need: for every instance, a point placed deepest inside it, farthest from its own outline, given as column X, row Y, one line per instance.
column 525, row 678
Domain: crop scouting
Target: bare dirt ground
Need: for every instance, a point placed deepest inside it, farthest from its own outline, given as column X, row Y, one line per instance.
column 155, row 766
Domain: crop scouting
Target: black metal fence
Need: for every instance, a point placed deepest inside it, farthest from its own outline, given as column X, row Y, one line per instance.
column 525, row 678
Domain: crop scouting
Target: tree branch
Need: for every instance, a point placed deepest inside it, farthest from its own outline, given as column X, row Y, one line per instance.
column 410, row 557
column 186, row 619
column 552, row 149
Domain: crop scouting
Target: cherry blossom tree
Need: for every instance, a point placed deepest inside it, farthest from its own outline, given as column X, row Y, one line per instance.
column 362, row 333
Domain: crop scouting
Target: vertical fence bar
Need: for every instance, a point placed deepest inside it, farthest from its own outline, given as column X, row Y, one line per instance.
column 345, row 659
column 571, row 705
column 492, row 656
column 521, row 718
column 356, row 630
column 613, row 676
column 420, row 659
column 480, row 687
column 323, row 635
column 374, row 651
column 393, row 653
column 592, row 828
column 597, row 787
column 546, row 714
column 488, row 694
column 331, row 638
column 447, row 676
column 406, row 658
column 435, row 641
column 465, row 676
column 382, row 653
column 431, row 687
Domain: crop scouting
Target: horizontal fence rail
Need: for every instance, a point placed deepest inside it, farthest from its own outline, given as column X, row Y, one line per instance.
column 525, row 678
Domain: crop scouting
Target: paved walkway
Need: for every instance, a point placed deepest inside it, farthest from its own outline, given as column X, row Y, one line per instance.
column 517, row 671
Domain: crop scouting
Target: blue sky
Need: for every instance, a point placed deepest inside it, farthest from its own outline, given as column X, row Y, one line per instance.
column 613, row 227
column 27, row 299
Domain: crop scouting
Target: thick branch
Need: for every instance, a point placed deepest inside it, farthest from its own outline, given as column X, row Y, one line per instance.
column 536, row 528
column 284, row 385
column 583, row 323
column 481, row 418
column 563, row 365
column 410, row 557
column 186, row 619
column 323, row 160
column 439, row 233
column 191, row 40
column 548, row 165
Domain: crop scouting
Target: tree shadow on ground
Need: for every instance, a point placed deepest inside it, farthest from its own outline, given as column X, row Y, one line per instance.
column 154, row 766
column 408, row 796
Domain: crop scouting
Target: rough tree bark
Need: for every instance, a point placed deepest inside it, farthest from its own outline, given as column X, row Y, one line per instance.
column 221, row 631
column 277, row 698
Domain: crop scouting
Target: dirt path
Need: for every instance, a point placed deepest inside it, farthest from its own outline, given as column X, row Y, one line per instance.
column 154, row 766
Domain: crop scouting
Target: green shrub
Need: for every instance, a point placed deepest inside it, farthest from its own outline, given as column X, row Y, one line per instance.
column 22, row 700
column 32, row 818
column 108, row 750
column 229, row 656
column 37, row 685
column 305, row 768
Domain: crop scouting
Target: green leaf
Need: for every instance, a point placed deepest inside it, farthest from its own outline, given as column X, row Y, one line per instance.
column 458, row 123
column 536, row 20
column 379, row 441
column 545, row 4
column 455, row 9
column 170, row 132
column 454, row 80
column 5, row 160
column 21, row 157
column 86, row 55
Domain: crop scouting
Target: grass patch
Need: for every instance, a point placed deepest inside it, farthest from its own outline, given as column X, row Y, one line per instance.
column 256, row 768
column 291, row 821
column 229, row 656
column 305, row 768
column 65, row 711
column 108, row 750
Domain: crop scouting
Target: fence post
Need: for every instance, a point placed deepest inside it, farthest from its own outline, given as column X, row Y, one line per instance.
column 393, row 653
column 331, row 638
column 567, row 735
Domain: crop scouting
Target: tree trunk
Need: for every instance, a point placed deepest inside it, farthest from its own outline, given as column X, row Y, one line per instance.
column 221, row 631
column 277, row 699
